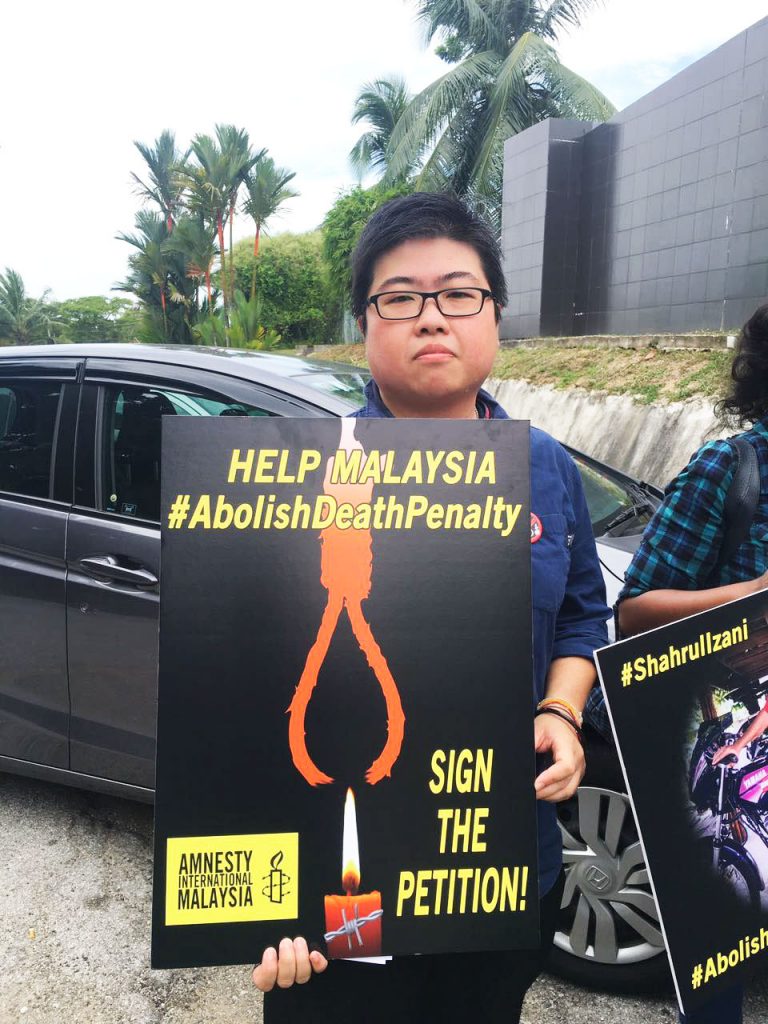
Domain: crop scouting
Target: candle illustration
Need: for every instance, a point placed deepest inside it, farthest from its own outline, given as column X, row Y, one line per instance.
column 352, row 921
column 346, row 562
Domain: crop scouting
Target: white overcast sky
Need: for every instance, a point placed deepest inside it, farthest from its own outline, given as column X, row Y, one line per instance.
column 79, row 81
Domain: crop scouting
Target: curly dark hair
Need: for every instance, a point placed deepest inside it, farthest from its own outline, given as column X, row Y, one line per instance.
column 747, row 399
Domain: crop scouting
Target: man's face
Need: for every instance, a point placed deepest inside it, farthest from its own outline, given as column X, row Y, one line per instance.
column 432, row 365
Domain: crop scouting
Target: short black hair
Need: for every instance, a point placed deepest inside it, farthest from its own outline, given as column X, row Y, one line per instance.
column 747, row 399
column 424, row 215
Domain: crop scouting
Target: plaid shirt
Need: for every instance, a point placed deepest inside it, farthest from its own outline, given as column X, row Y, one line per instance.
column 681, row 543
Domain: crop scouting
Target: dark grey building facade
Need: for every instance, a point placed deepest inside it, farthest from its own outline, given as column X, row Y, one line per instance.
column 657, row 220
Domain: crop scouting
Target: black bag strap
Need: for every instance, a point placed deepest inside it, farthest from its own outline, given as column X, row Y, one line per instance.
column 741, row 501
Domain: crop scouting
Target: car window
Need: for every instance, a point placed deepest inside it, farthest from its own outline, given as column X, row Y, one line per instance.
column 608, row 499
column 28, row 411
column 342, row 385
column 131, row 418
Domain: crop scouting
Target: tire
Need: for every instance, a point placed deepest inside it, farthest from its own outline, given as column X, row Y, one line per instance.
column 608, row 934
column 742, row 884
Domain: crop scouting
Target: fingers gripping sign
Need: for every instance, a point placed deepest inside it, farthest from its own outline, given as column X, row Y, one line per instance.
column 291, row 964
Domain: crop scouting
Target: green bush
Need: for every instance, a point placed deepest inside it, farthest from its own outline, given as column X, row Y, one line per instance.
column 342, row 227
column 292, row 286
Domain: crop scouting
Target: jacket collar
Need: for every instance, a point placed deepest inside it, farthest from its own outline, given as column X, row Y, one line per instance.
column 375, row 408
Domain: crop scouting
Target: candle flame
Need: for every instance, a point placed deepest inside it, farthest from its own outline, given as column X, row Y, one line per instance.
column 350, row 854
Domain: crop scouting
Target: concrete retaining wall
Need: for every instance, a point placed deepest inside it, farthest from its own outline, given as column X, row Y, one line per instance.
column 651, row 442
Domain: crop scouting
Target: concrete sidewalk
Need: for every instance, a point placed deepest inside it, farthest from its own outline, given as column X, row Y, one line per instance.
column 75, row 879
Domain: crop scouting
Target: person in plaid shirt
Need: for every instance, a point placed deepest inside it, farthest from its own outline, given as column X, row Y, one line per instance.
column 675, row 571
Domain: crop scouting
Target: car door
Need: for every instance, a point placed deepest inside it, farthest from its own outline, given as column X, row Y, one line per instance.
column 38, row 399
column 113, row 552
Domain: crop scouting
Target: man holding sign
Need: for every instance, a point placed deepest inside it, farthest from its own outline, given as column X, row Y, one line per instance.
column 427, row 291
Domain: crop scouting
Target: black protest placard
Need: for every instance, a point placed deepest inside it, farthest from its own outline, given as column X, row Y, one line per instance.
column 345, row 738
column 677, row 696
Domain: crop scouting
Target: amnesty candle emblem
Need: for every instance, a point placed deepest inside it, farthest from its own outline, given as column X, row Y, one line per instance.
column 327, row 763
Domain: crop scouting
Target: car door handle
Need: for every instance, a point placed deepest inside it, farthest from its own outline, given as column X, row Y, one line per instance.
column 109, row 567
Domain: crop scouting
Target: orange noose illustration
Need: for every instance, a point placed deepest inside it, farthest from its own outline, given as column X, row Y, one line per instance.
column 345, row 561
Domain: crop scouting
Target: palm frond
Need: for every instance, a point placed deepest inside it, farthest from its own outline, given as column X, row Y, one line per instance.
column 381, row 103
column 564, row 14
column 426, row 115
column 367, row 155
column 572, row 96
column 470, row 20
column 508, row 110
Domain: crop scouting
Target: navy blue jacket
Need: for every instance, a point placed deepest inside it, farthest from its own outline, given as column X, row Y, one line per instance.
column 568, row 594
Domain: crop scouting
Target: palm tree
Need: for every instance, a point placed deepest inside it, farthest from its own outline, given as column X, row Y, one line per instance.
column 266, row 187
column 381, row 103
column 236, row 145
column 154, row 272
column 22, row 318
column 193, row 240
column 222, row 164
column 166, row 184
column 505, row 76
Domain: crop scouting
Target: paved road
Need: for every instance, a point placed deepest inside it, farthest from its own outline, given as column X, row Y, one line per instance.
column 75, row 886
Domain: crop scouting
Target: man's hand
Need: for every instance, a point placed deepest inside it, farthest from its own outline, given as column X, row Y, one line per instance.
column 726, row 751
column 561, row 779
column 291, row 964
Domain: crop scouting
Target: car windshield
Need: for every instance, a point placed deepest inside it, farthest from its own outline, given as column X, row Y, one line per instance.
column 610, row 502
column 350, row 386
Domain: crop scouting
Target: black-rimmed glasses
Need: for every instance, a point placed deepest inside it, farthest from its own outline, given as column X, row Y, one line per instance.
column 450, row 302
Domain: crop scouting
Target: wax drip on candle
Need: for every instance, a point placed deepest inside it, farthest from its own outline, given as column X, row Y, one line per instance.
column 345, row 571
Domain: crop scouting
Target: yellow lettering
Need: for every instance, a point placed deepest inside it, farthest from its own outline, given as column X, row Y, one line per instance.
column 202, row 514
column 487, row 470
column 433, row 464
column 464, row 774
column 405, row 889
column 421, row 909
column 412, row 471
column 478, row 829
column 283, row 476
column 238, row 465
column 444, row 815
column 309, row 460
column 453, row 468
column 264, row 464
column 346, row 466
column 437, row 784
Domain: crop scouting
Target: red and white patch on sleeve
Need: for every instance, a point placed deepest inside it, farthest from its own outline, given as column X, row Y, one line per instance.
column 536, row 528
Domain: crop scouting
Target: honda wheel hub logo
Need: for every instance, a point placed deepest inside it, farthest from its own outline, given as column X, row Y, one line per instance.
column 598, row 879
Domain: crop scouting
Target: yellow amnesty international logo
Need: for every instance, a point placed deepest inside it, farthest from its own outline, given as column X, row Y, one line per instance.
column 217, row 879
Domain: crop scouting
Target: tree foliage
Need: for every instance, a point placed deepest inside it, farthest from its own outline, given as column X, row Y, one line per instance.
column 164, row 184
column 293, row 288
column 23, row 319
column 180, row 235
column 381, row 103
column 245, row 330
column 504, row 76
column 342, row 227
column 266, row 189
column 94, row 318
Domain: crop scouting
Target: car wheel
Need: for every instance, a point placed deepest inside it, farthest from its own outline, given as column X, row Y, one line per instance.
column 608, row 934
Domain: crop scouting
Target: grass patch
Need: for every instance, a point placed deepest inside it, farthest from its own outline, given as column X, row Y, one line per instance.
column 647, row 375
